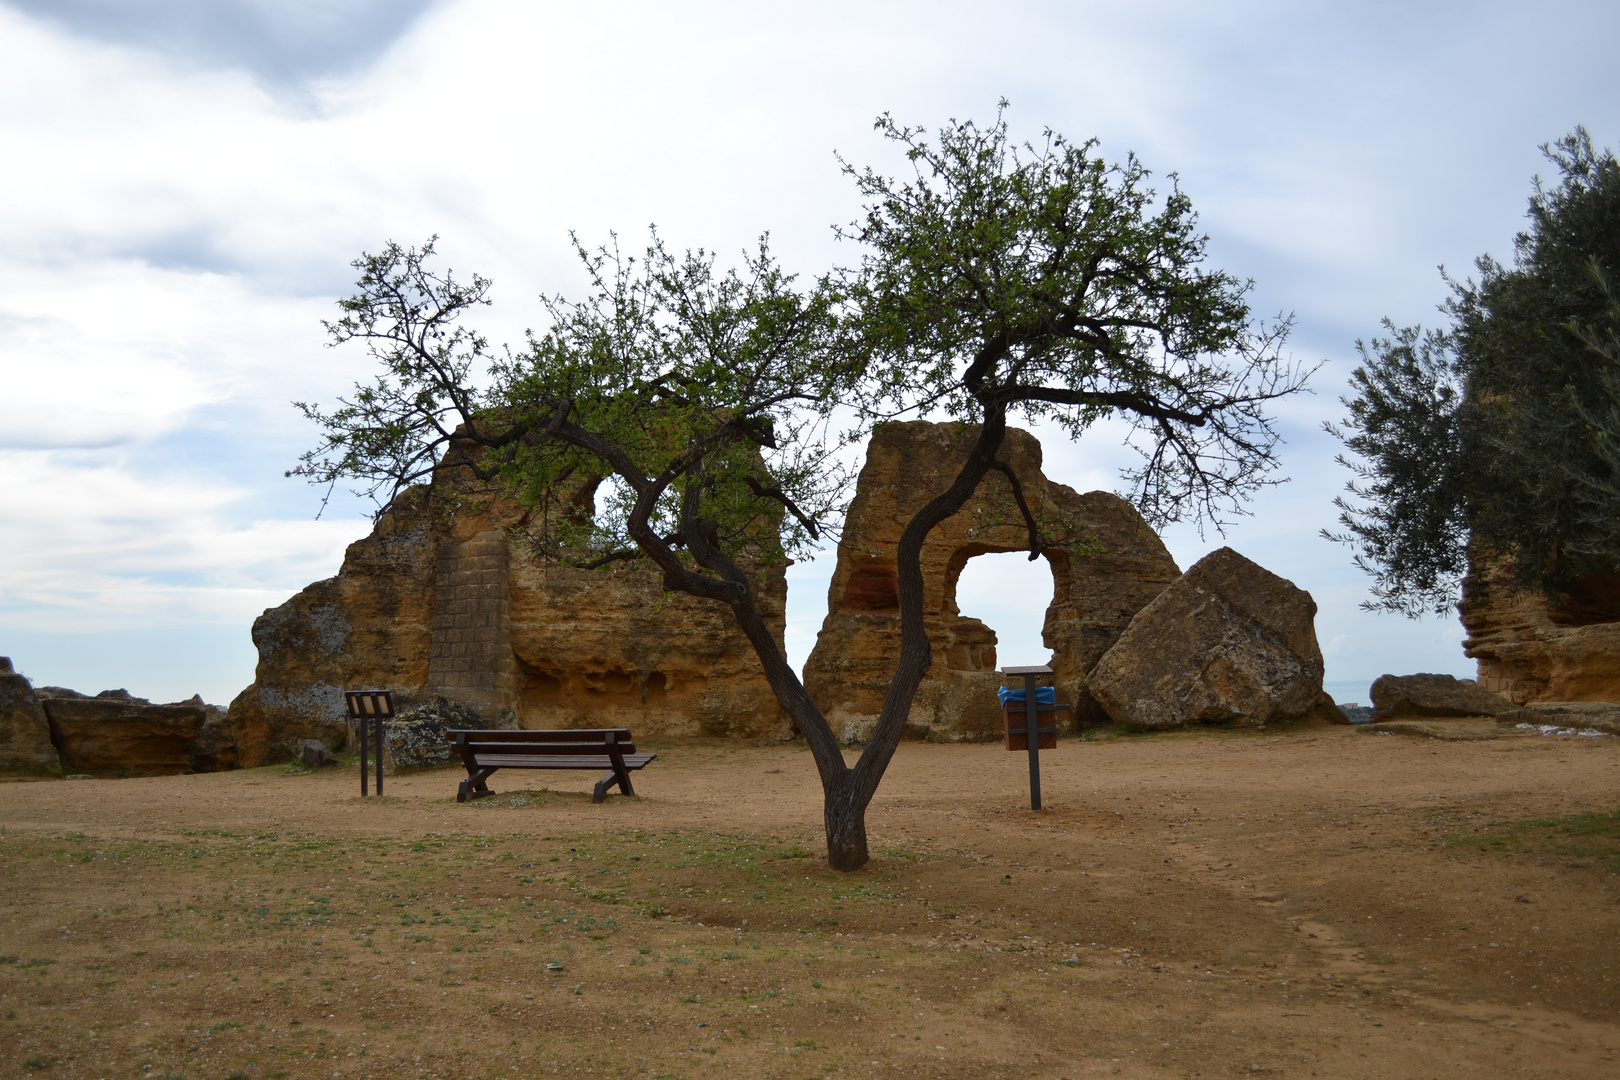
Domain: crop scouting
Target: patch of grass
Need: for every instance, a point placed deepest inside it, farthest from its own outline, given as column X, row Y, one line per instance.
column 1592, row 839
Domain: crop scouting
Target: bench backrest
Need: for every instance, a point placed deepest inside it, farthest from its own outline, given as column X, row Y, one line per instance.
column 599, row 736
column 571, row 742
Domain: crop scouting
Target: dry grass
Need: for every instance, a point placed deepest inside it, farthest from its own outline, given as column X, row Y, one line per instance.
column 1193, row 905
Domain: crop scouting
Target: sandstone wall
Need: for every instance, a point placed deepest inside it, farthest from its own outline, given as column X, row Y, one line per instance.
column 1106, row 563
column 117, row 734
column 1531, row 648
column 441, row 604
column 606, row 648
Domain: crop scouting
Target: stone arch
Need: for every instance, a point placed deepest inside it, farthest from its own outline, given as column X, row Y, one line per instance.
column 1106, row 563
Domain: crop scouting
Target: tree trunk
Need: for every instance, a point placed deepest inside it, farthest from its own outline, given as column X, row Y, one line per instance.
column 845, row 814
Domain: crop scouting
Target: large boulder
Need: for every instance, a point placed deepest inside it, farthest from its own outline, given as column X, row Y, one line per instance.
column 1433, row 695
column 117, row 734
column 25, row 734
column 1106, row 563
column 1228, row 641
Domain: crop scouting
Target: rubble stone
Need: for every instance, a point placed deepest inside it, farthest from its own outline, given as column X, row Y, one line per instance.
column 1433, row 695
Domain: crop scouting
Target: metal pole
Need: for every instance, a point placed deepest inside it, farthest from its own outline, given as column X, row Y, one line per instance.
column 361, row 723
column 379, row 754
column 1031, row 726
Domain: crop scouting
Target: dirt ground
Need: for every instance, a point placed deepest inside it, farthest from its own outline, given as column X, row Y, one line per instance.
column 1322, row 902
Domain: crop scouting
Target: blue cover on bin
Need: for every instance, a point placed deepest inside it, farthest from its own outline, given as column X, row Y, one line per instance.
column 1044, row 695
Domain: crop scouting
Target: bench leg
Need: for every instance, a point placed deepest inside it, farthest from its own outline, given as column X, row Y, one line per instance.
column 619, row 778
column 474, row 787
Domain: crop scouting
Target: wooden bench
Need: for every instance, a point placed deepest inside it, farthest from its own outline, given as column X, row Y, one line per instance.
column 588, row 748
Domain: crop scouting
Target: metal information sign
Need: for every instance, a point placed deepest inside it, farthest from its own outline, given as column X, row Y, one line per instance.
column 366, row 706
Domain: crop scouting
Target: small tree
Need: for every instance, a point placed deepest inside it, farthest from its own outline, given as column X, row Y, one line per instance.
column 1498, row 433
column 1000, row 279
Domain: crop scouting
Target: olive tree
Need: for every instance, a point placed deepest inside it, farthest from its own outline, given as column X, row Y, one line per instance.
column 1497, row 434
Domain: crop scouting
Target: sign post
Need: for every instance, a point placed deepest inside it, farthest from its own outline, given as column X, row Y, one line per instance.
column 1032, row 729
column 366, row 706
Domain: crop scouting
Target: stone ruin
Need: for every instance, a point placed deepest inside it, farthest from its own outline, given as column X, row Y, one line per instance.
column 1106, row 564
column 1532, row 649
column 444, row 603
column 434, row 605
column 52, row 730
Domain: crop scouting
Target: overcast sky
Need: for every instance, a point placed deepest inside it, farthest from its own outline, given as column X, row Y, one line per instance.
column 185, row 183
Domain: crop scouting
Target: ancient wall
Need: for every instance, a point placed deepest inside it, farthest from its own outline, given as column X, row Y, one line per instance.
column 441, row 604
column 470, row 657
column 1106, row 563
column 1532, row 648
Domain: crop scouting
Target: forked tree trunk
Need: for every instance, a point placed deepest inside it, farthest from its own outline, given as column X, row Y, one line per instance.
column 845, row 815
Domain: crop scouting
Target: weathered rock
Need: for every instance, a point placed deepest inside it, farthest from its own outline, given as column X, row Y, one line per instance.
column 117, row 734
column 1433, row 695
column 366, row 628
column 314, row 753
column 1582, row 715
column 1533, row 648
column 415, row 737
column 1445, row 730
column 1106, row 564
column 449, row 604
column 1229, row 641
column 25, row 734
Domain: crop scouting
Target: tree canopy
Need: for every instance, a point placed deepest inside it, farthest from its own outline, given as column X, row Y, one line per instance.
column 1497, row 434
column 999, row 278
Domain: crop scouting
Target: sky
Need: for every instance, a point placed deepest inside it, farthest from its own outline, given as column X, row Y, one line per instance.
column 185, row 183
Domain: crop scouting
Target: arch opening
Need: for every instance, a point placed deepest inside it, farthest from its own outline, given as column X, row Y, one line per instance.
column 1010, row 595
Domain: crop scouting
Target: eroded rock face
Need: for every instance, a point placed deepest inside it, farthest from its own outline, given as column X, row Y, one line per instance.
column 116, row 734
column 1229, row 641
column 366, row 628
column 1433, row 695
column 446, row 605
column 610, row 648
column 1106, row 565
column 1530, row 648
column 25, row 734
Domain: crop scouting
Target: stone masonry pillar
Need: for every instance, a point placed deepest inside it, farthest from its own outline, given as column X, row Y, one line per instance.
column 471, row 659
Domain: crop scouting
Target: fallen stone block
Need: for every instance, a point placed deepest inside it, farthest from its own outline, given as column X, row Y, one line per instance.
column 118, row 734
column 1396, row 696
column 1228, row 641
